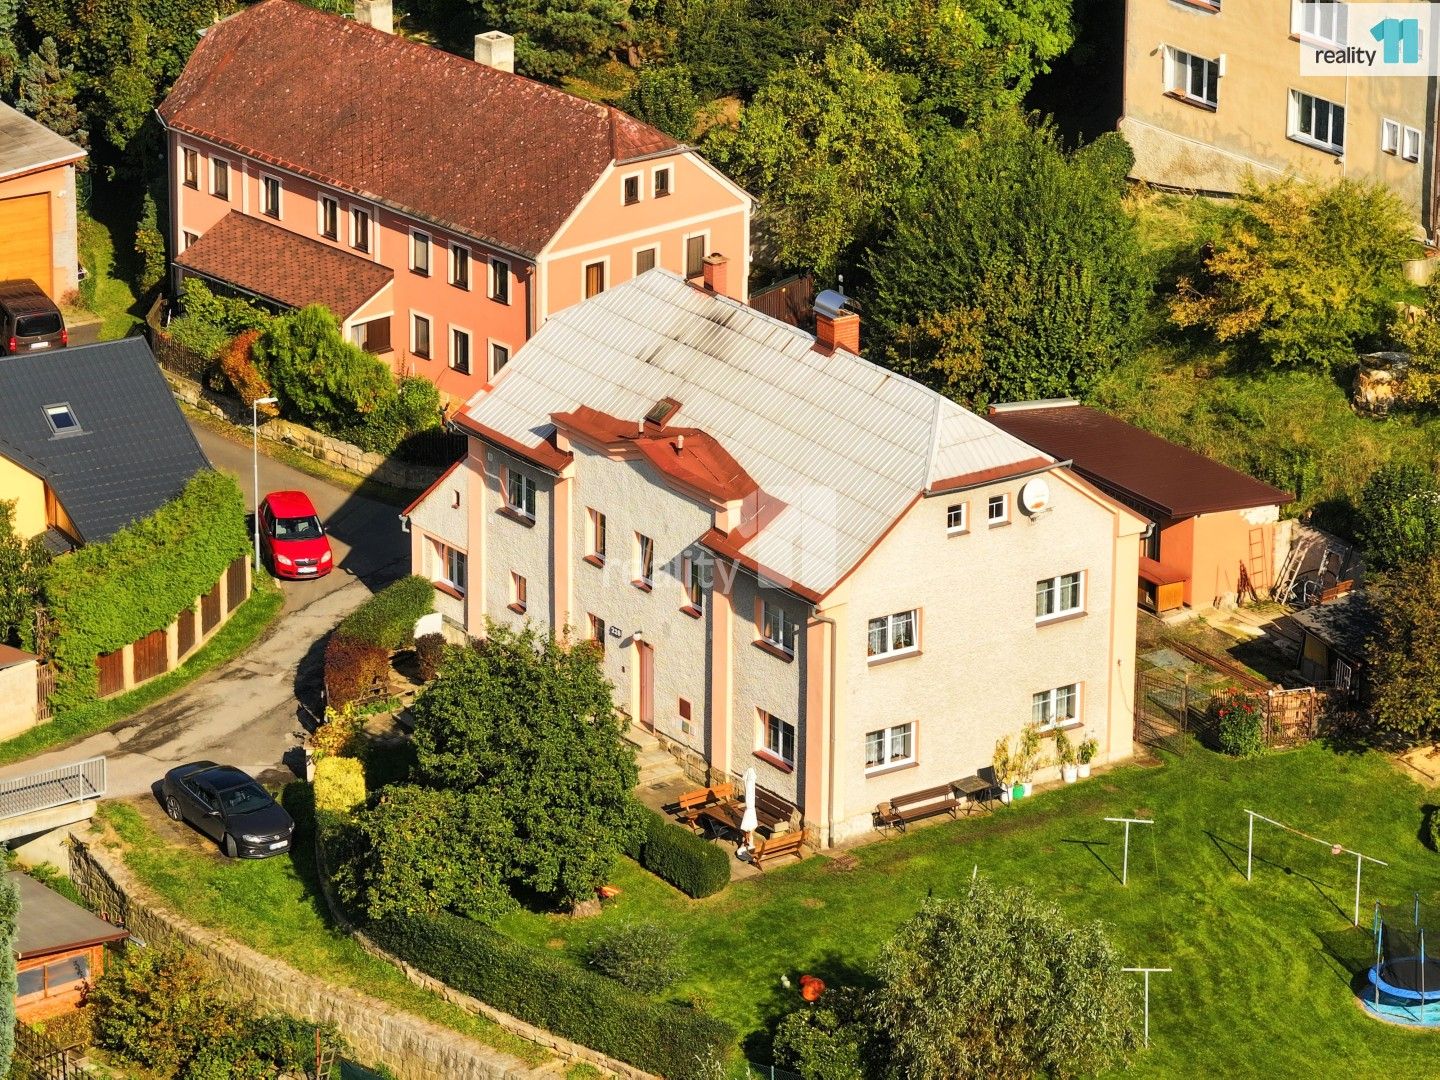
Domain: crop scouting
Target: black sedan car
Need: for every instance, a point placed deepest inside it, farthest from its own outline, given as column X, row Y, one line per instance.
column 229, row 807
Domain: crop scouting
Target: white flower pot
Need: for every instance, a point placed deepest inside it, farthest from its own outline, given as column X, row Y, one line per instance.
column 1070, row 772
column 1084, row 769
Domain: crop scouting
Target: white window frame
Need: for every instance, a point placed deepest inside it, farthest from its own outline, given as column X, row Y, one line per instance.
column 492, row 275
column 1047, row 700
column 670, row 189
column 354, row 213
column 526, row 506
column 644, row 575
column 1180, row 74
column 1004, row 518
column 429, row 354
column 639, row 178
column 216, row 164
column 1389, row 136
column 416, row 236
column 787, row 732
column 490, row 357
column 887, row 738
column 279, row 214
column 957, row 519
column 519, row 592
column 786, row 622
column 892, row 622
column 635, row 254
column 1055, row 588
column 469, row 349
column 1297, row 99
column 320, row 204
column 469, row 267
column 1410, row 144
column 1306, row 17
column 443, row 568
column 597, row 528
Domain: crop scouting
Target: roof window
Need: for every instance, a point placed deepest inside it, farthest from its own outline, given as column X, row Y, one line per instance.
column 661, row 411
column 62, row 419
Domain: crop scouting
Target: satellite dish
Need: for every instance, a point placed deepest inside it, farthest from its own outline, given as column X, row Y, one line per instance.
column 1035, row 497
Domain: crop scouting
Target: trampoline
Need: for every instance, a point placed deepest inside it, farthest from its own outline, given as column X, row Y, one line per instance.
column 1403, row 986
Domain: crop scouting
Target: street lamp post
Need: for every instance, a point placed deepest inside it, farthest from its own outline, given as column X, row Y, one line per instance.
column 255, row 462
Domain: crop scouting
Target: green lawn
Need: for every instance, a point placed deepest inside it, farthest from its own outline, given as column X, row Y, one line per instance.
column 245, row 627
column 1259, row 986
column 111, row 297
column 274, row 906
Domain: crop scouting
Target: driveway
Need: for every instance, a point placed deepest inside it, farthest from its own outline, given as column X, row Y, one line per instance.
column 252, row 712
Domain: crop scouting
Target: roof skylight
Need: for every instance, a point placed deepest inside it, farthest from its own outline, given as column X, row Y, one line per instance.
column 62, row 419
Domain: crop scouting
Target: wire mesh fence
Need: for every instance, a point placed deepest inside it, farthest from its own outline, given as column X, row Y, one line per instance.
column 770, row 1072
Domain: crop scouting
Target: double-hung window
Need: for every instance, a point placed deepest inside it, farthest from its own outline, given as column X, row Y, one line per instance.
column 1192, row 77
column 420, row 335
column 220, row 178
column 778, row 628
column 1317, row 122
column 270, row 196
column 889, row 746
column 520, row 494
column 892, row 635
column 1056, row 708
column 459, row 266
column 460, row 350
column 1061, row 595
column 420, row 253
column 644, row 561
column 360, row 229
column 329, row 218
column 779, row 738
column 500, row 281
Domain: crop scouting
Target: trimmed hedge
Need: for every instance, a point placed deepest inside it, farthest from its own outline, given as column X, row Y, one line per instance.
column 103, row 596
column 353, row 671
column 675, row 854
column 339, row 785
column 671, row 1040
column 388, row 618
column 429, row 654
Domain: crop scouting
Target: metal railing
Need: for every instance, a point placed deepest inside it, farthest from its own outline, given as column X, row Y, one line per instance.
column 49, row 788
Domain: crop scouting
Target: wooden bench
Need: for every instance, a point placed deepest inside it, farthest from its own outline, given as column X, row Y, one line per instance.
column 903, row 809
column 777, row 847
column 689, row 806
column 774, row 814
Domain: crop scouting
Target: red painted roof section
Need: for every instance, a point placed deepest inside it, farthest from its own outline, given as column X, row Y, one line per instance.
column 496, row 156
column 283, row 266
column 989, row 476
column 1126, row 461
column 545, row 455
column 688, row 455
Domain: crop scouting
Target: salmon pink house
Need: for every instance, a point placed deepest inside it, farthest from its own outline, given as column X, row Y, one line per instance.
column 443, row 207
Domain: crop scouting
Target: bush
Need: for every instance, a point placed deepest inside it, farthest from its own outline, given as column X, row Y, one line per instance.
column 240, row 370
column 1431, row 829
column 150, row 245
column 205, row 340
column 638, row 955
column 339, row 785
column 1241, row 720
column 229, row 314
column 388, row 618
column 354, row 670
column 342, row 734
column 413, row 407
column 671, row 1040
column 429, row 651
column 825, row 1041
column 1399, row 515
column 675, row 854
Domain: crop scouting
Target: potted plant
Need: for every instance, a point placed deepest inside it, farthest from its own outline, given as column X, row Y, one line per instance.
column 1002, row 767
column 1085, row 753
column 1065, row 755
column 1027, row 759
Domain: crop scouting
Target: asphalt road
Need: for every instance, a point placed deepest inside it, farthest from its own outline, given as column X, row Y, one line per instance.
column 253, row 711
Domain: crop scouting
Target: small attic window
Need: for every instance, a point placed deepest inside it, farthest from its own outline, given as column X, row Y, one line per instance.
column 62, row 419
column 661, row 411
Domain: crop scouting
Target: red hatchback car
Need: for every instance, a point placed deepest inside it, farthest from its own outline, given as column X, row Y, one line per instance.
column 292, row 536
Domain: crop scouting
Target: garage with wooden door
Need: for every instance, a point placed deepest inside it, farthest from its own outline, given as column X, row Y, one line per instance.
column 26, row 253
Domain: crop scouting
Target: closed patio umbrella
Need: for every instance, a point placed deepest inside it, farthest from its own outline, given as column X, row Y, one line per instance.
column 749, row 821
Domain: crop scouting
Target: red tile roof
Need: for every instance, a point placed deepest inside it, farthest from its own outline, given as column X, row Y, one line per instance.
column 293, row 270
column 496, row 156
column 1168, row 479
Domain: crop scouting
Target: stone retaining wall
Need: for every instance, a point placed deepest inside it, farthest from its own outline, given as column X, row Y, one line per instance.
column 324, row 448
column 413, row 1048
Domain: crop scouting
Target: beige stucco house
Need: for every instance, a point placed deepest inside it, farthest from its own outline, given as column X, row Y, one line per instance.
column 792, row 559
column 1213, row 92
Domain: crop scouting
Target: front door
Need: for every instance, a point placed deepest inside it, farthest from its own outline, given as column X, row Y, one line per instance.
column 646, row 659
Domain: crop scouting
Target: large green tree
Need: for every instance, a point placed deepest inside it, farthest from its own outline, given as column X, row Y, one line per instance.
column 828, row 146
column 22, row 576
column 1302, row 272
column 1012, row 269
column 1403, row 657
column 1399, row 515
column 532, row 721
column 46, row 92
column 553, row 37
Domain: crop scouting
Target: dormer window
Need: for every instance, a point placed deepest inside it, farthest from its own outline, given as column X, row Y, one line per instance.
column 62, row 420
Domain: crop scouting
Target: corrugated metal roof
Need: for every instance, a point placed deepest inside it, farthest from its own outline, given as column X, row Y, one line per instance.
column 847, row 445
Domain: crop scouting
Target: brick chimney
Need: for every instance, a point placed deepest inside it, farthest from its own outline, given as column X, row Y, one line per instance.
column 495, row 49
column 717, row 274
column 835, row 326
column 377, row 13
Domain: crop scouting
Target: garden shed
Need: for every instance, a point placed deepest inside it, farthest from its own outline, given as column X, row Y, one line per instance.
column 59, row 946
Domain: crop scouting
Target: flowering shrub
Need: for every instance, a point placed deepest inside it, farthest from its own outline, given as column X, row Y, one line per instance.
column 1241, row 721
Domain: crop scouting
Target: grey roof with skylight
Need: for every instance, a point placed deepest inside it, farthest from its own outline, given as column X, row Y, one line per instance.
column 99, row 425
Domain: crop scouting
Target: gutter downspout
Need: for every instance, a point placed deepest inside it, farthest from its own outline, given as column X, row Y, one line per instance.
column 830, row 785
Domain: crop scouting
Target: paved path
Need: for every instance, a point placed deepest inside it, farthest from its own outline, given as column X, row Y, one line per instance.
column 252, row 711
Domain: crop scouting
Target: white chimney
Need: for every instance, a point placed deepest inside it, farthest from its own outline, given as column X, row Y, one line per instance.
column 377, row 13
column 495, row 49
